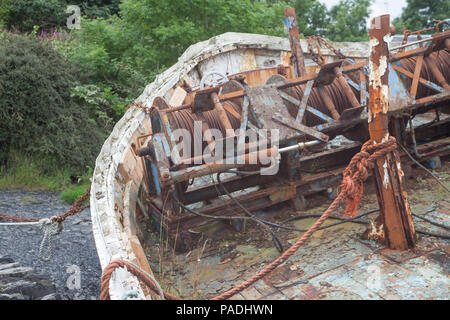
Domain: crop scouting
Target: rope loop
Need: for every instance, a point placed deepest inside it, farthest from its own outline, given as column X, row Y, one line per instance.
column 142, row 275
column 50, row 228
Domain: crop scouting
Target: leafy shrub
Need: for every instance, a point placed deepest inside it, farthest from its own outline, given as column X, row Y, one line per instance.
column 5, row 6
column 122, row 53
column 38, row 113
column 96, row 8
column 23, row 15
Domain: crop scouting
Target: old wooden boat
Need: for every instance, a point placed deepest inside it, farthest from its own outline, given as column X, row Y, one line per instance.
column 158, row 212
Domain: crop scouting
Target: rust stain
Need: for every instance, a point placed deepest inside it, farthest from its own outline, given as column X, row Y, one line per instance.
column 248, row 60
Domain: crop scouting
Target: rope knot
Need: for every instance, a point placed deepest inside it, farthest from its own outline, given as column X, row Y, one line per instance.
column 357, row 172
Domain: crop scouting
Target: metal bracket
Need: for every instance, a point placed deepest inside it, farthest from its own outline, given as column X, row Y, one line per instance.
column 300, row 127
column 203, row 101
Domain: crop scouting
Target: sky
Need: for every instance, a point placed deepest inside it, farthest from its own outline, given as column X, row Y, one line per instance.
column 394, row 8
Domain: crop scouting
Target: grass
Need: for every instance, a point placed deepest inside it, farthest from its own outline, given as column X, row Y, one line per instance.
column 72, row 193
column 33, row 173
column 29, row 200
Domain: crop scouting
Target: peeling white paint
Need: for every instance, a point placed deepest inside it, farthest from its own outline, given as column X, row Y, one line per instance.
column 384, row 97
column 386, row 175
column 400, row 171
column 388, row 39
column 375, row 74
column 373, row 43
column 376, row 233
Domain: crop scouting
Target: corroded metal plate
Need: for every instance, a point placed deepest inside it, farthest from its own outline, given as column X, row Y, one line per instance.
column 265, row 102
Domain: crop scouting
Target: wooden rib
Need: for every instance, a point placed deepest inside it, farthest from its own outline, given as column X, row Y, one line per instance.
column 416, row 77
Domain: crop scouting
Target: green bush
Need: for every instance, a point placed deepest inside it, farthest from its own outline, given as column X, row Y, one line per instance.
column 96, row 8
column 123, row 53
column 5, row 6
column 23, row 15
column 39, row 115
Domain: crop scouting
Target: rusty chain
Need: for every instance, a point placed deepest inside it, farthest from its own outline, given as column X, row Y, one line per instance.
column 314, row 56
column 140, row 106
column 317, row 57
column 74, row 209
column 49, row 226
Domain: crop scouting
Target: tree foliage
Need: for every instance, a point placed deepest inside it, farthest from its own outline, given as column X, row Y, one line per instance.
column 171, row 26
column 121, row 47
column 348, row 21
column 96, row 8
column 5, row 6
column 38, row 114
column 312, row 17
column 420, row 14
column 23, row 15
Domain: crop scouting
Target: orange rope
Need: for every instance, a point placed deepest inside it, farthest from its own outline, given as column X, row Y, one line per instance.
column 106, row 277
column 351, row 193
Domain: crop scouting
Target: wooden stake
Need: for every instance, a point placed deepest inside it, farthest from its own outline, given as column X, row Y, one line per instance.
column 395, row 212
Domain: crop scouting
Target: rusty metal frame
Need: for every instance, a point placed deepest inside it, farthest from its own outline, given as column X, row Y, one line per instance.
column 405, row 100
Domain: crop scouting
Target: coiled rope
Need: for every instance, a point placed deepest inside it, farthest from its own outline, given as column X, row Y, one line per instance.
column 442, row 61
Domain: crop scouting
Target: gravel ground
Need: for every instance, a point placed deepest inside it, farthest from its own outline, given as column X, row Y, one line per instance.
column 75, row 257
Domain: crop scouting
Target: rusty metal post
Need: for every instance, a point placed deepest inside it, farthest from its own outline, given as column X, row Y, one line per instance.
column 294, row 39
column 395, row 213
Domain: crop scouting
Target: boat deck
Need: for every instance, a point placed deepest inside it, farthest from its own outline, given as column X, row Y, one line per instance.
column 334, row 264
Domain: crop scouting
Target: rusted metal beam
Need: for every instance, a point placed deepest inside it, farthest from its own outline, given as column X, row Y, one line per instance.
column 415, row 82
column 395, row 213
column 290, row 123
column 294, row 39
column 437, row 74
column 426, row 83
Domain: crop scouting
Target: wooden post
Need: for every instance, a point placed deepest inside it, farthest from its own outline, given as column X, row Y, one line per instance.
column 395, row 213
column 294, row 39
